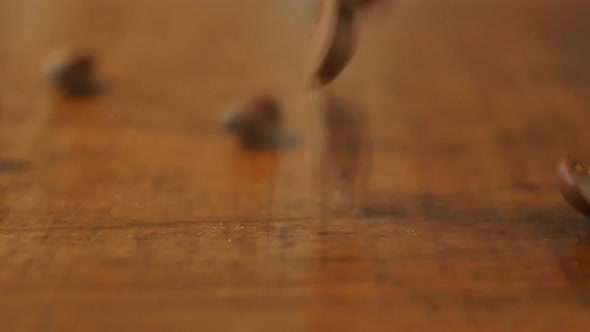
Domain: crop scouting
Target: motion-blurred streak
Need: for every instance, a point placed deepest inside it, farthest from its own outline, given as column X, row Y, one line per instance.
column 337, row 35
column 336, row 41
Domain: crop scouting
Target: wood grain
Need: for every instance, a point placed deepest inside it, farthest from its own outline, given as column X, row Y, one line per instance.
column 422, row 194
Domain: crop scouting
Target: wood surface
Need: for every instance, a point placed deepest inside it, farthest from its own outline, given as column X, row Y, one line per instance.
column 421, row 194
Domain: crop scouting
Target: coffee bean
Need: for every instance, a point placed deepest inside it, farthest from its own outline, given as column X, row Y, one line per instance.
column 574, row 183
column 74, row 72
column 256, row 122
column 336, row 41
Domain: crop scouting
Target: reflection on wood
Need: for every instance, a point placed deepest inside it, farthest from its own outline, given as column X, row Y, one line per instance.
column 575, row 264
column 253, row 179
column 340, row 259
column 346, row 154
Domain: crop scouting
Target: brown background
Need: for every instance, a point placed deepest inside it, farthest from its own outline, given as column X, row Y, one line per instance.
column 420, row 196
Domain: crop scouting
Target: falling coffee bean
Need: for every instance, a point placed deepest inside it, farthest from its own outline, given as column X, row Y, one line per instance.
column 256, row 122
column 74, row 72
column 336, row 41
column 574, row 183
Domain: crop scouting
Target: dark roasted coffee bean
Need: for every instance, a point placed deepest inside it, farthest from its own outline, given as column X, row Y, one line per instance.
column 256, row 122
column 74, row 72
column 574, row 183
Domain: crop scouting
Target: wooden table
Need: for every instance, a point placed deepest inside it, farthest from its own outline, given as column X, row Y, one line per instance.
column 421, row 194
